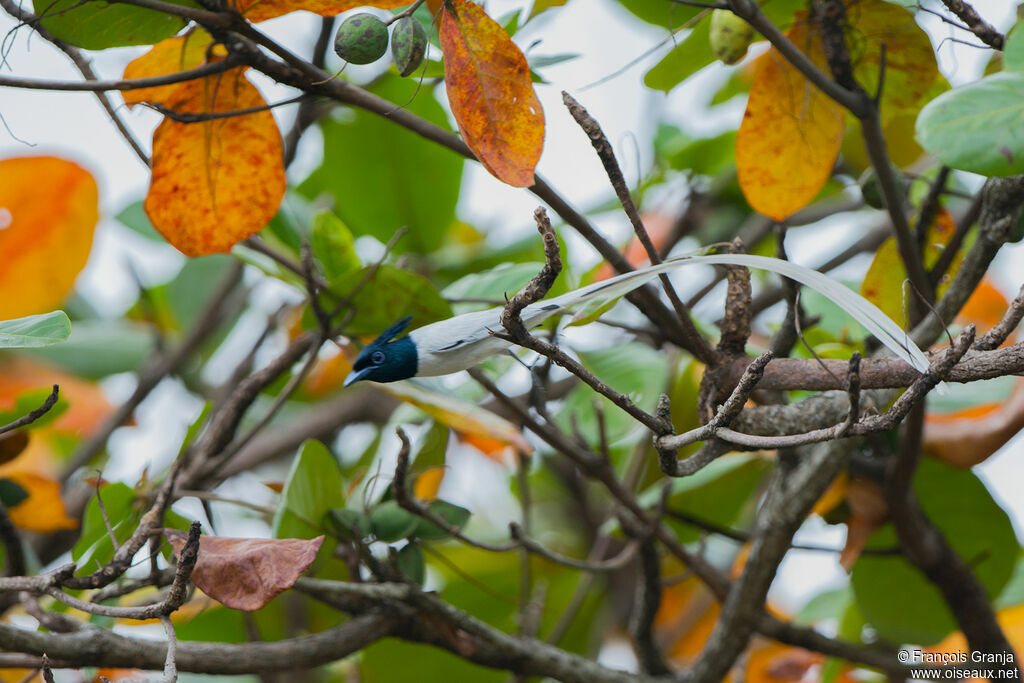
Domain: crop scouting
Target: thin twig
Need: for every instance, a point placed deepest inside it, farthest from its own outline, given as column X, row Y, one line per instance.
column 35, row 414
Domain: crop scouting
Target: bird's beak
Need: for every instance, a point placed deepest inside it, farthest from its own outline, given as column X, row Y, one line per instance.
column 355, row 376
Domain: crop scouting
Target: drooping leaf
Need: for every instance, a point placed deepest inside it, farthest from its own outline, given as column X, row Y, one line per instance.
column 688, row 57
column 364, row 153
column 219, row 181
column 974, row 127
column 790, row 135
column 455, row 515
column 665, row 14
column 247, row 573
column 100, row 25
column 35, row 331
column 48, row 210
column 261, row 10
column 170, row 56
column 491, row 93
column 313, row 487
column 897, row 600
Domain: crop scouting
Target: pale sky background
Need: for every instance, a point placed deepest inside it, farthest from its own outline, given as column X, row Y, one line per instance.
column 75, row 127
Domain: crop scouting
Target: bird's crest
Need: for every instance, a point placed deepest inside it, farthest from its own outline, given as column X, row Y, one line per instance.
column 393, row 331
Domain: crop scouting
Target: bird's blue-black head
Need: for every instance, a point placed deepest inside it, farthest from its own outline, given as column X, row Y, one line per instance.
column 386, row 359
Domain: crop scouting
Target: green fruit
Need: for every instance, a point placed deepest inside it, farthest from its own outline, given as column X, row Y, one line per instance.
column 408, row 45
column 361, row 39
column 411, row 563
column 392, row 523
column 730, row 36
column 871, row 187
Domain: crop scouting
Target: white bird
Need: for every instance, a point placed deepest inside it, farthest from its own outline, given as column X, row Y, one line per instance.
column 462, row 341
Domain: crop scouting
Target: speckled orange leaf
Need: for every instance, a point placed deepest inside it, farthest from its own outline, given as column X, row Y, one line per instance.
column 216, row 182
column 491, row 93
column 261, row 10
column 48, row 212
column 180, row 53
column 43, row 510
column 791, row 132
column 247, row 573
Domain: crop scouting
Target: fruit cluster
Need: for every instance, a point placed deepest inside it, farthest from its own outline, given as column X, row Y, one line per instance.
column 363, row 38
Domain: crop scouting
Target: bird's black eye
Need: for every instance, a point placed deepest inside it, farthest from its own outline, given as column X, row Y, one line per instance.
column 377, row 357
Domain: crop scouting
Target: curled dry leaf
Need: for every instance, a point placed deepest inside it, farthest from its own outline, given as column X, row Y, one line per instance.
column 219, row 181
column 491, row 93
column 247, row 573
column 48, row 210
column 868, row 512
column 791, row 132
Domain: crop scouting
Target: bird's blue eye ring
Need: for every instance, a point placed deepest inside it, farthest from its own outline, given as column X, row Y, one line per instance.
column 377, row 357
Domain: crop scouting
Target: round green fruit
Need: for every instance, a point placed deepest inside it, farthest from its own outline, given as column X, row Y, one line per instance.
column 730, row 36
column 361, row 39
column 408, row 45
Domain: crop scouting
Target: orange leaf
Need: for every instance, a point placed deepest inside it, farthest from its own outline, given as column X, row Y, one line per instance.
column 49, row 208
column 985, row 308
column 247, row 573
column 261, row 10
column 43, row 510
column 428, row 482
column 219, row 181
column 790, row 135
column 659, row 226
column 1011, row 620
column 180, row 53
column 967, row 437
column 491, row 93
column 868, row 512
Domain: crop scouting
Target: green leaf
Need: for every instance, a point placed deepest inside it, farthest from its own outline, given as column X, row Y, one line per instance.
column 11, row 493
column 1013, row 51
column 824, row 606
column 29, row 401
column 660, row 13
column 705, row 156
column 432, row 448
column 94, row 548
column 190, row 290
column 347, row 525
column 35, row 330
column 383, row 178
column 717, row 494
column 390, row 522
column 313, row 487
column 98, row 348
column 1013, row 593
column 455, row 515
column 494, row 283
column 97, row 25
column 682, row 61
column 976, row 127
column 134, row 217
column 391, row 294
column 896, row 598
column 633, row 369
column 333, row 245
column 411, row 563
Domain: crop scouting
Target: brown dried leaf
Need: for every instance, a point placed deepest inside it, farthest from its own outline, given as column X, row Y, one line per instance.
column 247, row 573
column 868, row 512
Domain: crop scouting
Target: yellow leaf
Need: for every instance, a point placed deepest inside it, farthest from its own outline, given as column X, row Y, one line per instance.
column 48, row 210
column 219, row 181
column 43, row 510
column 470, row 421
column 170, row 56
column 491, row 93
column 789, row 139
